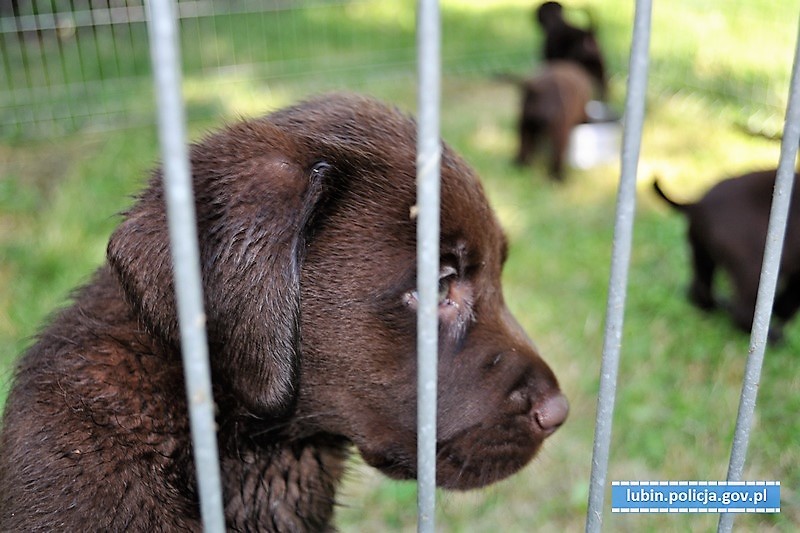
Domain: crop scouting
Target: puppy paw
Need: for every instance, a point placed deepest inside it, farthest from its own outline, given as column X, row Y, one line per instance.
column 703, row 300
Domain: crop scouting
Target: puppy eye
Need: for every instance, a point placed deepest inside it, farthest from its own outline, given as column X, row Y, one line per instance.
column 320, row 167
column 446, row 278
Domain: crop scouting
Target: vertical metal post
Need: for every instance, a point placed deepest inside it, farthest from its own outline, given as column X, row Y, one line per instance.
column 428, row 190
column 621, row 252
column 776, row 232
column 165, row 56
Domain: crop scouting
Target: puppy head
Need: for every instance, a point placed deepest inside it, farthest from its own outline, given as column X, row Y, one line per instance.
column 308, row 259
column 549, row 14
column 497, row 399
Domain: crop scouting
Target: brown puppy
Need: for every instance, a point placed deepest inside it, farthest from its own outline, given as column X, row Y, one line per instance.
column 308, row 260
column 553, row 103
column 566, row 42
column 727, row 229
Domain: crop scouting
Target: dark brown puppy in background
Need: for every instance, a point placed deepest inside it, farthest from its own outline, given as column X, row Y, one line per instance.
column 308, row 259
column 566, row 42
column 553, row 103
column 727, row 230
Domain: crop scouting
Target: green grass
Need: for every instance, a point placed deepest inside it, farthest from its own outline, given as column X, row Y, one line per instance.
column 715, row 64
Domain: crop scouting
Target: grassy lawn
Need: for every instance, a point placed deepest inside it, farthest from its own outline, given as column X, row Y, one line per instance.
column 716, row 65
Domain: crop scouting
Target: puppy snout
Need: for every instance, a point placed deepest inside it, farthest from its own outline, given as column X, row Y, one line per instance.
column 536, row 396
column 550, row 413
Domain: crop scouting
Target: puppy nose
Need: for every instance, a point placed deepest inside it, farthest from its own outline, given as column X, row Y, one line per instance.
column 551, row 412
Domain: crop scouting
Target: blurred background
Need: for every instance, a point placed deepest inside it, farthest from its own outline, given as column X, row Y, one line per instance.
column 77, row 139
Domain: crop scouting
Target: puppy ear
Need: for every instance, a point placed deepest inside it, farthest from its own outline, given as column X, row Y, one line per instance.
column 254, row 206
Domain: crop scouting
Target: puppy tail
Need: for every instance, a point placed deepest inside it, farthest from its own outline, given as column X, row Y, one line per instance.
column 670, row 201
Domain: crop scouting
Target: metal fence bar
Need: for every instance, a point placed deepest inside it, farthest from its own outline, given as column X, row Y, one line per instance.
column 621, row 252
column 776, row 232
column 428, row 190
column 185, row 257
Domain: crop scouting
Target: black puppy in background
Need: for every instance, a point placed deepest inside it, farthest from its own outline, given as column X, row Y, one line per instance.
column 727, row 230
column 566, row 42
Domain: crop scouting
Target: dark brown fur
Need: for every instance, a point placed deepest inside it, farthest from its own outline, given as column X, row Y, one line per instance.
column 565, row 42
column 727, row 230
column 553, row 103
column 308, row 261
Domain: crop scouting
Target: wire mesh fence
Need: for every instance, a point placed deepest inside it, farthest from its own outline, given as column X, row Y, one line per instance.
column 83, row 64
column 71, row 65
